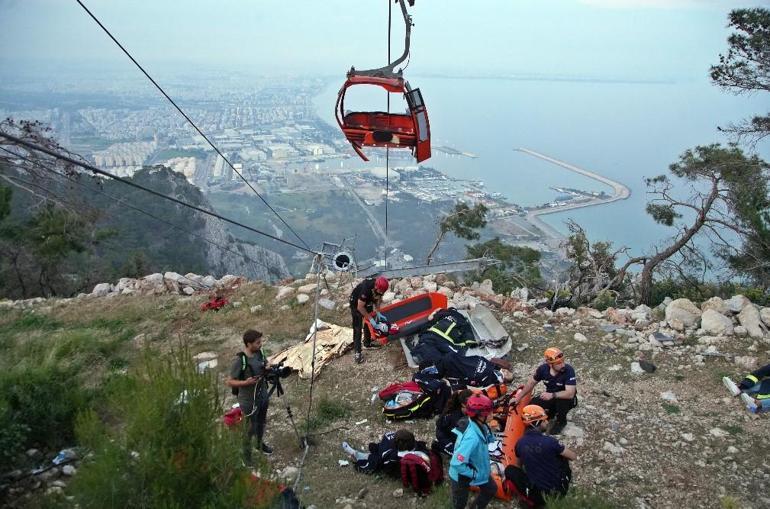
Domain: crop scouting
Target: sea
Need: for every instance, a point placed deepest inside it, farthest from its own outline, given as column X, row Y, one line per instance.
column 627, row 131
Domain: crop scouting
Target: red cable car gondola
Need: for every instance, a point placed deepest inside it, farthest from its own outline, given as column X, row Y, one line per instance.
column 383, row 129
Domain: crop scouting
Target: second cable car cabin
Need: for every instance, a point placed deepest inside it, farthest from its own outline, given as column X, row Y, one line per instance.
column 381, row 129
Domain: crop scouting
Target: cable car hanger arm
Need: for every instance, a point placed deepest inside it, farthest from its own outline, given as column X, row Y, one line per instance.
column 389, row 71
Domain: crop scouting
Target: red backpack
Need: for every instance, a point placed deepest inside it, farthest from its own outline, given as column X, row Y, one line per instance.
column 420, row 473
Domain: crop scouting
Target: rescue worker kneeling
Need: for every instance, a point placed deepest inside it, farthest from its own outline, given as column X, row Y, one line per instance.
column 543, row 463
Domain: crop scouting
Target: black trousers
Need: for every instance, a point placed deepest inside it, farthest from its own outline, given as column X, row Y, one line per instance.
column 461, row 488
column 530, row 494
column 255, row 423
column 556, row 407
column 358, row 324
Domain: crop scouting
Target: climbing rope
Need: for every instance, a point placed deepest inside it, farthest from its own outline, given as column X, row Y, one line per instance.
column 387, row 149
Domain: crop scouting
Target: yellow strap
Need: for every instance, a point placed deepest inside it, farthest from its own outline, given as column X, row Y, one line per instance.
column 753, row 378
column 762, row 396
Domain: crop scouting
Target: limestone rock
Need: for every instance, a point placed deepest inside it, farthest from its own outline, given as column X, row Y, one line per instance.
column 485, row 288
column 580, row 337
column 682, row 313
column 764, row 315
column 446, row 291
column 520, row 293
column 388, row 297
column 715, row 303
column 102, row 289
column 283, row 292
column 307, row 288
column 713, row 322
column 740, row 331
column 747, row 362
column 327, row 304
column 416, row 282
column 302, row 298
column 749, row 318
column 736, row 303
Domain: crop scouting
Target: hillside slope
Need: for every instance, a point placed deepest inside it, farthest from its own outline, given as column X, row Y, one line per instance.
column 671, row 438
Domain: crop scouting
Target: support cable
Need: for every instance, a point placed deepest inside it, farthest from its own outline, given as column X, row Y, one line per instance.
column 94, row 169
column 124, row 203
column 192, row 123
column 387, row 149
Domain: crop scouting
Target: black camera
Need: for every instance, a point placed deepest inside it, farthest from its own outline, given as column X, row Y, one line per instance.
column 277, row 371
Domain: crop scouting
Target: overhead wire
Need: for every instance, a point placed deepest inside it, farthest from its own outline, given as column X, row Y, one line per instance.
column 387, row 149
column 189, row 120
column 124, row 203
column 94, row 169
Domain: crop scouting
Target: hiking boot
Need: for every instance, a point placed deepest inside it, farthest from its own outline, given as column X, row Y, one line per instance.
column 266, row 448
column 734, row 390
column 557, row 427
column 359, row 358
column 751, row 405
column 371, row 344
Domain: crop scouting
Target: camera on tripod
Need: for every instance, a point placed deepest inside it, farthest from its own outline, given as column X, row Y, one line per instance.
column 276, row 371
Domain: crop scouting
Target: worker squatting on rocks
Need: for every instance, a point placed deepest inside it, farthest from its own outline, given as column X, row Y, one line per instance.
column 543, row 463
column 754, row 389
column 560, row 386
column 470, row 465
column 366, row 299
column 248, row 382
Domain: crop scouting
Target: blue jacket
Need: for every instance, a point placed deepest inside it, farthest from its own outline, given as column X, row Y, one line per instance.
column 471, row 453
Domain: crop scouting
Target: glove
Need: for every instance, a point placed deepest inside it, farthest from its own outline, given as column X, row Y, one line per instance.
column 373, row 322
column 382, row 327
column 380, row 317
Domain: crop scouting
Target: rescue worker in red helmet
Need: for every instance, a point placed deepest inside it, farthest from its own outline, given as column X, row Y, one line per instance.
column 542, row 462
column 365, row 302
column 560, row 394
column 470, row 465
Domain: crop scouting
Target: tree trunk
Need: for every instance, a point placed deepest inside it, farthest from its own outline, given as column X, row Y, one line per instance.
column 435, row 246
column 645, row 285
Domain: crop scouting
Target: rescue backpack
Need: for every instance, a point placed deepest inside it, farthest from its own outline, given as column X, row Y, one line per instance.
column 420, row 471
column 423, row 397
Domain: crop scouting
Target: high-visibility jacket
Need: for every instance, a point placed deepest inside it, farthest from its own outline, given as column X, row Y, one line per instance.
column 452, row 326
column 759, row 377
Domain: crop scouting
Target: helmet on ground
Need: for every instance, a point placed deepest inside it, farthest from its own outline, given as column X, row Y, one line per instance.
column 381, row 284
column 553, row 355
column 478, row 405
column 532, row 414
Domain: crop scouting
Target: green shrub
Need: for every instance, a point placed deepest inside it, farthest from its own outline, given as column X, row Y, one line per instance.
column 326, row 411
column 169, row 449
column 13, row 436
column 604, row 300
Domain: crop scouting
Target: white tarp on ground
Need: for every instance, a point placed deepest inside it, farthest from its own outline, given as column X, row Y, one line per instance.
column 331, row 342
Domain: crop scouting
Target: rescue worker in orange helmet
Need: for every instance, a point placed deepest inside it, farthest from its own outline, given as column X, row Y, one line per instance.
column 542, row 462
column 560, row 394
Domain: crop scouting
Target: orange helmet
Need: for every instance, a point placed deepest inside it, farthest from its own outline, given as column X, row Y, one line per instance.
column 553, row 355
column 532, row 414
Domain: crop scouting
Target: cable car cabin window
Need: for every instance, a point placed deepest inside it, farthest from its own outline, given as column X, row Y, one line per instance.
column 422, row 126
column 414, row 98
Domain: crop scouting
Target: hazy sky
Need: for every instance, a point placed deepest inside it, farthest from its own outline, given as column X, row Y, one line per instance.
column 640, row 39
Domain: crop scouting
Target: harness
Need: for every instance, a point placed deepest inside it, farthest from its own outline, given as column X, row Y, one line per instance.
column 446, row 334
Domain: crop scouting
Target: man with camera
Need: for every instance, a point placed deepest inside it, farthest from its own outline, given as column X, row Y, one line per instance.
column 248, row 381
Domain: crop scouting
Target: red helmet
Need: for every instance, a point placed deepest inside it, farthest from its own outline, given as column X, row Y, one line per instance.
column 381, row 284
column 478, row 405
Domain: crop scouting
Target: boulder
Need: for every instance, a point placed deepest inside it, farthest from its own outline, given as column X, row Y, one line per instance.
column 229, row 281
column 716, row 304
column 736, row 303
column 641, row 313
column 125, row 283
column 485, row 288
column 764, row 315
column 740, row 331
column 580, row 338
column 188, row 290
column 102, row 289
column 388, row 297
column 683, row 313
column 714, row 323
column 307, row 288
column 208, row 281
column 618, row 316
column 446, row 291
column 564, row 312
column 749, row 318
column 327, row 304
column 283, row 292
column 430, row 286
column 520, row 293
column 415, row 282
column 402, row 285
column 302, row 298
column 441, row 279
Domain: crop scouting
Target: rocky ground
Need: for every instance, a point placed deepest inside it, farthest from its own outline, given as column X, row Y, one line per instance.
column 668, row 437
